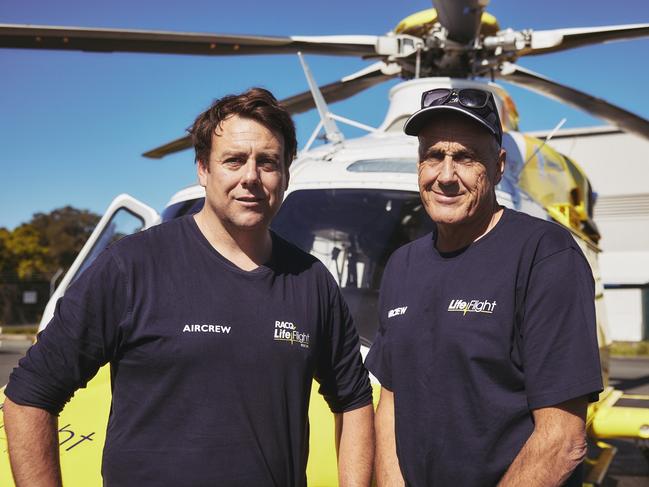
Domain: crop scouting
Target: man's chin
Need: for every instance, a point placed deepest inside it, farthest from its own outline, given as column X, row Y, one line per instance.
column 447, row 216
column 251, row 223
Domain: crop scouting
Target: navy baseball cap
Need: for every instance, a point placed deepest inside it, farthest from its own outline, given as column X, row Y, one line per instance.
column 477, row 104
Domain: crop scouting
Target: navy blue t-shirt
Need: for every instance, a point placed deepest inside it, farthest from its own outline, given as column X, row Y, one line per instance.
column 471, row 342
column 211, row 365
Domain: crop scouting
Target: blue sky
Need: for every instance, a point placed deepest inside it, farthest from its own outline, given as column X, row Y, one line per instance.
column 73, row 125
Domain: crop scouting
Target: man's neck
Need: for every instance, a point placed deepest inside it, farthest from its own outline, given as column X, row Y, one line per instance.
column 246, row 249
column 455, row 237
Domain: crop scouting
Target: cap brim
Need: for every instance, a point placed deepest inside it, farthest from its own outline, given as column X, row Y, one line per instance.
column 417, row 120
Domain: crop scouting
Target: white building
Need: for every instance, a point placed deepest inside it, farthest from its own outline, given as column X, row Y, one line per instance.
column 617, row 165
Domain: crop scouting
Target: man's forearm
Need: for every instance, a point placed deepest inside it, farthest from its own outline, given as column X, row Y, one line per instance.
column 32, row 437
column 555, row 448
column 388, row 472
column 538, row 465
column 355, row 446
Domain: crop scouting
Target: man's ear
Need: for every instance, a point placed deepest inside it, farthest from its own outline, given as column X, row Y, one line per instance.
column 202, row 169
column 500, row 167
column 287, row 177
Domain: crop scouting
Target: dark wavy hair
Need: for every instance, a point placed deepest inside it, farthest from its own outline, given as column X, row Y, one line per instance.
column 257, row 104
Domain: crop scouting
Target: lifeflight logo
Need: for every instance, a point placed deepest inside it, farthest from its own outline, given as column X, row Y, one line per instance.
column 285, row 331
column 473, row 306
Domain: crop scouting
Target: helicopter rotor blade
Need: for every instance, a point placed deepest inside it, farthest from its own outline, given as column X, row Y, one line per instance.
column 169, row 148
column 163, row 42
column 302, row 102
column 547, row 41
column 625, row 120
column 461, row 18
column 348, row 86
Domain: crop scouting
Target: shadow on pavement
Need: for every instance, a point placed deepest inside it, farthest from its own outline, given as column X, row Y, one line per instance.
column 626, row 384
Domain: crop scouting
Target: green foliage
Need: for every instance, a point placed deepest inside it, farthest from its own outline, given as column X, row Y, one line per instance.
column 27, row 252
column 33, row 252
column 5, row 253
column 49, row 241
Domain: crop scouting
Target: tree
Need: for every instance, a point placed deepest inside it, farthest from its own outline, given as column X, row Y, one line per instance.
column 63, row 232
column 6, row 263
column 33, row 252
column 27, row 252
column 7, row 275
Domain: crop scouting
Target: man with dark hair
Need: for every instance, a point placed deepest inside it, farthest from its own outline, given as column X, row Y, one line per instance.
column 257, row 104
column 214, row 327
column 487, row 370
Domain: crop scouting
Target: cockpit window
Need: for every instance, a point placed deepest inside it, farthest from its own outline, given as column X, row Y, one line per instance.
column 124, row 222
column 353, row 232
column 408, row 166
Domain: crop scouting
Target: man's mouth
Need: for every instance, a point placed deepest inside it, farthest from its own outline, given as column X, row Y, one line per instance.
column 446, row 196
column 249, row 199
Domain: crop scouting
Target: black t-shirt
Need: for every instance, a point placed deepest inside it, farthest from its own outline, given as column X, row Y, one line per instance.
column 471, row 342
column 211, row 365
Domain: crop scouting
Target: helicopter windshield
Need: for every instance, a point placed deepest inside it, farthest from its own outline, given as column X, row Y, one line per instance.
column 353, row 232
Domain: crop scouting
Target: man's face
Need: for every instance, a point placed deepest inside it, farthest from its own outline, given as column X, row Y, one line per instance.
column 246, row 175
column 460, row 164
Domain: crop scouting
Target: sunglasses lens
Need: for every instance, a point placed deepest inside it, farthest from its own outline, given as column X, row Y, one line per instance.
column 433, row 96
column 473, row 98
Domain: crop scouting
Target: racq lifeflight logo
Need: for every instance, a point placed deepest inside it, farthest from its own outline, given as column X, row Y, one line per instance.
column 472, row 306
column 286, row 331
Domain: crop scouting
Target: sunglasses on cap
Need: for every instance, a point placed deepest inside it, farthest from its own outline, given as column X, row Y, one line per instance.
column 468, row 97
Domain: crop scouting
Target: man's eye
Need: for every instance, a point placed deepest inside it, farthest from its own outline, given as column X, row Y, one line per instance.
column 463, row 158
column 434, row 158
column 234, row 161
column 269, row 163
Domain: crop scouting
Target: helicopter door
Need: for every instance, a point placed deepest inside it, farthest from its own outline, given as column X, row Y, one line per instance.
column 125, row 215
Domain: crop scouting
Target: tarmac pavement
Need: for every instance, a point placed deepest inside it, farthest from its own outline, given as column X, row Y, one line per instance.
column 12, row 348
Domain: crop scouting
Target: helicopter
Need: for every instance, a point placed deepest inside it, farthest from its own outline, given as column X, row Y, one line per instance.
column 353, row 201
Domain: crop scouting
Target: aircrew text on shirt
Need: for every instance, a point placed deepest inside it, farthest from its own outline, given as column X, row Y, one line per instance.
column 397, row 311
column 207, row 329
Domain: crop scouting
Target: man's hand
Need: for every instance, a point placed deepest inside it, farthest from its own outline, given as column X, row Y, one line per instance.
column 554, row 449
column 355, row 446
column 33, row 441
column 388, row 472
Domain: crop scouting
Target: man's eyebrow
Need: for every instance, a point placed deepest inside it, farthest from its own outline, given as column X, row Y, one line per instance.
column 429, row 151
column 232, row 152
column 433, row 150
column 269, row 153
column 243, row 152
column 466, row 152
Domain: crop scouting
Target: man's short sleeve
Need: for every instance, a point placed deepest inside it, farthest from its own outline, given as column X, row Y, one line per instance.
column 79, row 339
column 344, row 381
column 558, row 333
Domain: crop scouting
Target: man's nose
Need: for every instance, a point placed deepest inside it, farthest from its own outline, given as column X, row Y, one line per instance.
column 250, row 172
column 447, row 171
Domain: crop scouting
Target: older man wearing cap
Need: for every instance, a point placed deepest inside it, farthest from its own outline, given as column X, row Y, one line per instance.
column 487, row 374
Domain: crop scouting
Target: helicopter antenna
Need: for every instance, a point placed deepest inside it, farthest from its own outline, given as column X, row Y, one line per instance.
column 540, row 146
column 313, row 137
column 332, row 133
